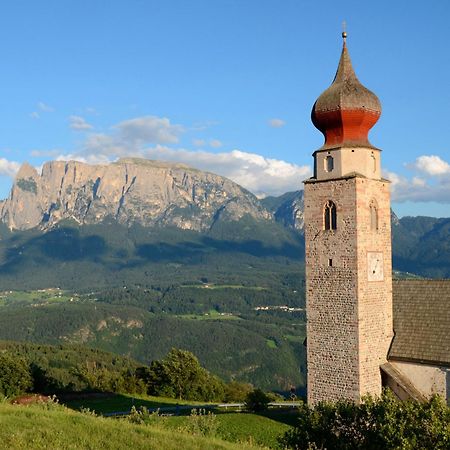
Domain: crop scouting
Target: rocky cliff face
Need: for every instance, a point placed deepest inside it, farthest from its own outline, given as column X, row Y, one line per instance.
column 287, row 209
column 130, row 191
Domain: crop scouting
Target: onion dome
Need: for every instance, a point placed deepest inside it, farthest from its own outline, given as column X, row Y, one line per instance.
column 347, row 110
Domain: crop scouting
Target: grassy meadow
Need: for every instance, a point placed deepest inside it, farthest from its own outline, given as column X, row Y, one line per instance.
column 234, row 426
column 56, row 427
column 41, row 425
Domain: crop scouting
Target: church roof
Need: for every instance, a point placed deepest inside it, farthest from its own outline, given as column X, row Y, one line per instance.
column 421, row 321
column 347, row 110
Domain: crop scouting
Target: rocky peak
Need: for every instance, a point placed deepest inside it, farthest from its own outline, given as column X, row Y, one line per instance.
column 130, row 190
column 287, row 209
column 27, row 171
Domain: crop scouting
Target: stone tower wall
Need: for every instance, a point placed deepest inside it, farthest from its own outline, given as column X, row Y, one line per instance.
column 374, row 297
column 349, row 318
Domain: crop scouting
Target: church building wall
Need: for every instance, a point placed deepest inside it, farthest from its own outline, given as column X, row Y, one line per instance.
column 427, row 379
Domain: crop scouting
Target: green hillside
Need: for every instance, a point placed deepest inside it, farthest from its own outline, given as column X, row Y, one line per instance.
column 73, row 257
column 53, row 427
column 421, row 245
column 269, row 355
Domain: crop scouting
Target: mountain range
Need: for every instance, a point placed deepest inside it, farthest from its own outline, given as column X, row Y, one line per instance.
column 68, row 200
column 129, row 191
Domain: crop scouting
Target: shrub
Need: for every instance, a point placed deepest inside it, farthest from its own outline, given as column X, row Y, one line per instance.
column 143, row 416
column 257, row 400
column 201, row 422
column 380, row 422
column 15, row 377
column 236, row 392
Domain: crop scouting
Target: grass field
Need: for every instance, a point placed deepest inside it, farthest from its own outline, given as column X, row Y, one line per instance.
column 224, row 286
column 261, row 429
column 210, row 315
column 36, row 297
column 124, row 402
column 56, row 427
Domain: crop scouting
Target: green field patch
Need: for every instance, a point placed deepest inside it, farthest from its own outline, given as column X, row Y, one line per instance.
column 115, row 403
column 224, row 286
column 36, row 297
column 212, row 315
column 271, row 343
column 262, row 430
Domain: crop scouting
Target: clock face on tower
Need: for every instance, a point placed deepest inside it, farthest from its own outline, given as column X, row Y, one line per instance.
column 375, row 266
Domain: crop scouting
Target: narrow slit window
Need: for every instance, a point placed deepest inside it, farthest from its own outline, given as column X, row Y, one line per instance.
column 330, row 262
column 373, row 216
column 374, row 163
column 330, row 220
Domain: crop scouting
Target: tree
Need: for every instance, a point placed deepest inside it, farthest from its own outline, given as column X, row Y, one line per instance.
column 180, row 375
column 236, row 391
column 15, row 377
column 257, row 400
column 377, row 422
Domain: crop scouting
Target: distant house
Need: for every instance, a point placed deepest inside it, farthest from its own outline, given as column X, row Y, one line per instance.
column 419, row 358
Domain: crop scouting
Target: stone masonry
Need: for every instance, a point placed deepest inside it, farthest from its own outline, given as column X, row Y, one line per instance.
column 349, row 317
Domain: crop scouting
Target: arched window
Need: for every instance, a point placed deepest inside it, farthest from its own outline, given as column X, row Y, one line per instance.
column 329, row 216
column 373, row 215
column 329, row 163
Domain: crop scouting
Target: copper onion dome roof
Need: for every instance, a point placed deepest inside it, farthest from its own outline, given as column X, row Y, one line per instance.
column 347, row 110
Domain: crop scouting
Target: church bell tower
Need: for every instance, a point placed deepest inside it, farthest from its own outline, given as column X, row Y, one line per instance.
column 348, row 246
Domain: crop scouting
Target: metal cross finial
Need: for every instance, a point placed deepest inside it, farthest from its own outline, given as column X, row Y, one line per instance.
column 344, row 30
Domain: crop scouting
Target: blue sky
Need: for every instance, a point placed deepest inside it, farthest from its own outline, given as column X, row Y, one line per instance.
column 224, row 85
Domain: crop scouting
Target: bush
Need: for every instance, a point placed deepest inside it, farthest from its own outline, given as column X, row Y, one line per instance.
column 15, row 377
column 376, row 423
column 236, row 392
column 144, row 416
column 257, row 400
column 201, row 423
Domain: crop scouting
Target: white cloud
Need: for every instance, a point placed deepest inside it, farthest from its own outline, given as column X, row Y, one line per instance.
column 45, row 153
column 199, row 142
column 258, row 174
column 45, row 108
column 130, row 137
column 42, row 107
column 148, row 130
column 254, row 172
column 277, row 123
column 8, row 168
column 202, row 126
column 78, row 123
column 431, row 165
column 434, row 187
column 417, row 181
column 215, row 143
column 88, row 159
